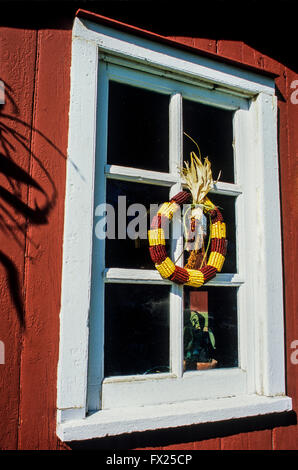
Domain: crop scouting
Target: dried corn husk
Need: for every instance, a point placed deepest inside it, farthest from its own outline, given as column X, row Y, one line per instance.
column 197, row 176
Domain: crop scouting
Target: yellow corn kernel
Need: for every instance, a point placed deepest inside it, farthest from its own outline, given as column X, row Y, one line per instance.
column 156, row 237
column 223, row 230
column 196, row 278
column 168, row 209
column 216, row 260
column 208, row 204
column 214, row 230
column 221, row 260
column 218, row 230
column 212, row 259
column 166, row 268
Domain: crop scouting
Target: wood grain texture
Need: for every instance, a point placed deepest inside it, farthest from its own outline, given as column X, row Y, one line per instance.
column 204, row 44
column 17, row 58
column 43, row 254
column 286, row 437
column 208, row 444
column 257, row 440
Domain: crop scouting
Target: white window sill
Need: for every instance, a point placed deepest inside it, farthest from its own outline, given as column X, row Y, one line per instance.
column 136, row 419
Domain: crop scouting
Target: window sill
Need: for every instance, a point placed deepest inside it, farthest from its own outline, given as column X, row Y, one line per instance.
column 137, row 419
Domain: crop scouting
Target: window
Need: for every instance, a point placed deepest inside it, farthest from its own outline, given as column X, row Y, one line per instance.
column 125, row 330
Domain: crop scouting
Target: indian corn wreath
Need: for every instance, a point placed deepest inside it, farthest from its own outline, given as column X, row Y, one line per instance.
column 198, row 270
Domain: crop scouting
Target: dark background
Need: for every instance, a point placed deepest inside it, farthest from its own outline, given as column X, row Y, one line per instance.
column 268, row 26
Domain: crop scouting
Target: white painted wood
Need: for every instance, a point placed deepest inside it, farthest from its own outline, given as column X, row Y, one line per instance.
column 268, row 280
column 135, row 276
column 226, row 189
column 208, row 95
column 164, row 179
column 141, row 276
column 218, row 97
column 137, row 419
column 139, row 378
column 167, row 58
column 199, row 385
column 77, row 246
column 70, row 414
column 226, row 280
column 96, row 313
column 176, row 330
column 176, row 295
column 175, row 136
column 141, row 176
column 249, row 306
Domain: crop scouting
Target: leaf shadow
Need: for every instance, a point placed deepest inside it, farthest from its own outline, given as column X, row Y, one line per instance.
column 17, row 213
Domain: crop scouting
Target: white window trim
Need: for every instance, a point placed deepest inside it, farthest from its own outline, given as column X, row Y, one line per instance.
column 264, row 390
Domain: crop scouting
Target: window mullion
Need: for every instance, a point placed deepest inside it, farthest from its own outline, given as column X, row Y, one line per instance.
column 176, row 296
column 176, row 132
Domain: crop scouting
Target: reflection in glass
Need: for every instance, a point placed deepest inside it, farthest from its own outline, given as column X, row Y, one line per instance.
column 226, row 205
column 212, row 129
column 210, row 328
column 124, row 252
column 136, row 329
column 138, row 128
column 197, row 259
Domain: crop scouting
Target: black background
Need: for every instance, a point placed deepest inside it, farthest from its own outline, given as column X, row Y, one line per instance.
column 268, row 26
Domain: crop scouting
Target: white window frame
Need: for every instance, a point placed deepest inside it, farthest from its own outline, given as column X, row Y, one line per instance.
column 89, row 406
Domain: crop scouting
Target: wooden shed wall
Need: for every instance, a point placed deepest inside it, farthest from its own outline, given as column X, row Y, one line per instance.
column 35, row 67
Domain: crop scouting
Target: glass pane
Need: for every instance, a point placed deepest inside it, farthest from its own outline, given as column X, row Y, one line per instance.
column 136, row 329
column 226, row 205
column 138, row 128
column 212, row 129
column 123, row 251
column 210, row 328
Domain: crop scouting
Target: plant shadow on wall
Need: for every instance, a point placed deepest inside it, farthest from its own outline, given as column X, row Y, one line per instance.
column 23, row 200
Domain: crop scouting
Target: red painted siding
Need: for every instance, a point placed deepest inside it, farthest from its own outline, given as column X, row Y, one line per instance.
column 35, row 66
column 43, row 269
column 16, row 124
column 36, row 75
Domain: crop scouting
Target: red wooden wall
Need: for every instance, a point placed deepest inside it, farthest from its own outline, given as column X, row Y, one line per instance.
column 35, row 67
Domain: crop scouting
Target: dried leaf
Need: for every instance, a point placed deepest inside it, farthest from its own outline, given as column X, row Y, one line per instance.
column 198, row 177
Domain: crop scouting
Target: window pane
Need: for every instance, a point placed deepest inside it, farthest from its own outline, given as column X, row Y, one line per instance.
column 212, row 129
column 126, row 252
column 138, row 128
column 226, row 205
column 210, row 327
column 136, row 329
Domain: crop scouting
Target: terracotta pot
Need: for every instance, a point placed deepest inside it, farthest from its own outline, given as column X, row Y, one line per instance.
column 206, row 365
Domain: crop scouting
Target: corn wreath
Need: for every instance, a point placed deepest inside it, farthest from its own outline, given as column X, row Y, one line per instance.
column 198, row 178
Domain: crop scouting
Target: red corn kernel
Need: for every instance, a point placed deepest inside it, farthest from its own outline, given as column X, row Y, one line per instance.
column 181, row 198
column 180, row 275
column 209, row 272
column 158, row 253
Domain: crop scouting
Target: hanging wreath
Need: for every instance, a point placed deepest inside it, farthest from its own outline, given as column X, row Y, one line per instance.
column 198, row 179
